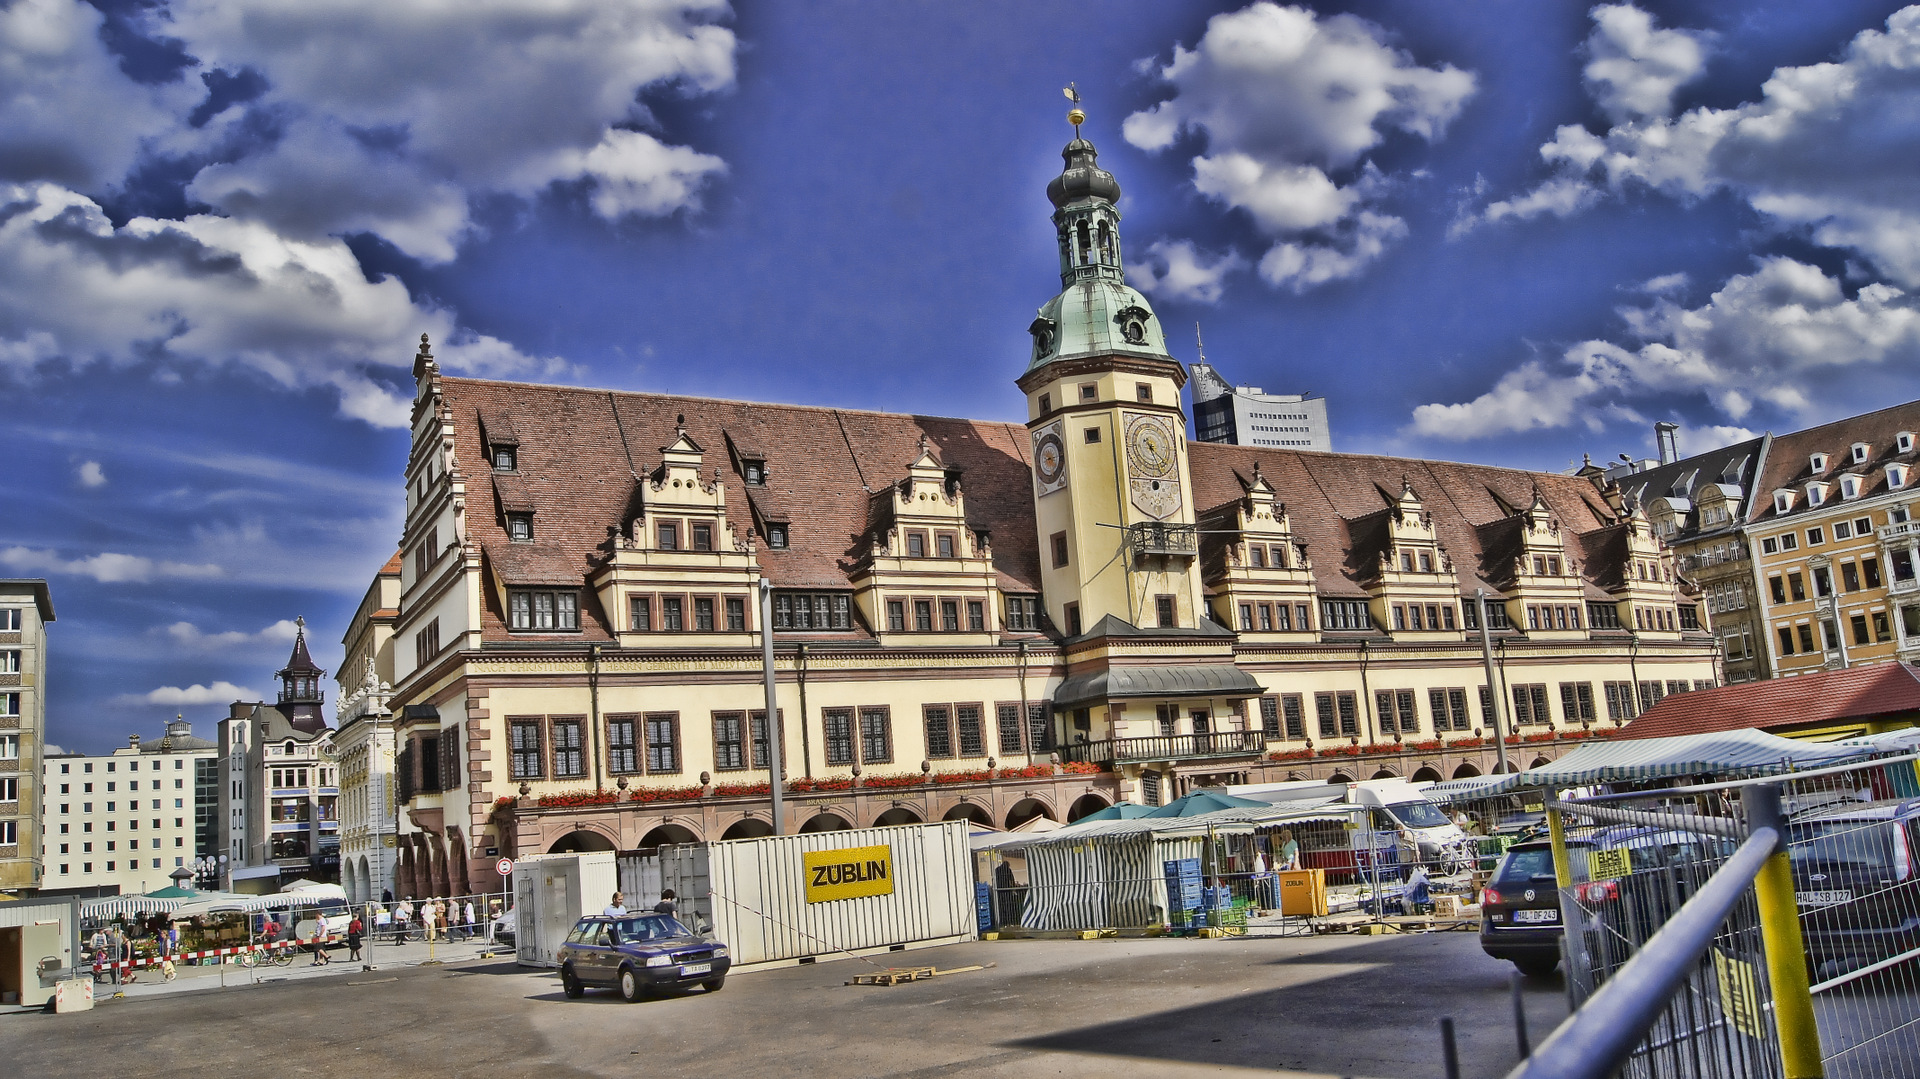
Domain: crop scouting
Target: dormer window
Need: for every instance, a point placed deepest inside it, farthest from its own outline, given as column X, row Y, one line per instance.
column 506, row 458
column 1860, row 451
column 1849, row 487
column 1896, row 476
column 1782, row 501
column 1903, row 442
column 754, row 473
column 777, row 536
column 1818, row 462
column 1816, row 493
column 520, row 527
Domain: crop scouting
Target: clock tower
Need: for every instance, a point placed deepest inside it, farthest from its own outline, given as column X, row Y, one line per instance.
column 1111, row 490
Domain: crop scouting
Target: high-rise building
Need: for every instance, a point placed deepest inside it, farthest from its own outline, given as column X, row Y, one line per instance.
column 1250, row 416
column 123, row 823
column 25, row 610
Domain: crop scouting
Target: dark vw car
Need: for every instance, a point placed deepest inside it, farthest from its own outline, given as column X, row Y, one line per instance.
column 1520, row 908
column 1858, row 886
column 638, row 954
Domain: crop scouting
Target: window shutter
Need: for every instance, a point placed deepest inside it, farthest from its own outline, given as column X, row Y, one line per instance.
column 404, row 769
column 450, row 758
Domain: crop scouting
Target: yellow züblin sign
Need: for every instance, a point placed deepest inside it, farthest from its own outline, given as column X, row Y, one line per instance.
column 849, row 873
column 1740, row 994
column 1609, row 864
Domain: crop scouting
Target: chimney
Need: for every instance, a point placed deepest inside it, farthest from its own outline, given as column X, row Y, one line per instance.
column 1667, row 436
column 133, row 742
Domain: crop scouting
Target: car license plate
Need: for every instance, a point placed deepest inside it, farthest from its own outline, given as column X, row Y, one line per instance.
column 1824, row 899
column 696, row 968
column 1536, row 916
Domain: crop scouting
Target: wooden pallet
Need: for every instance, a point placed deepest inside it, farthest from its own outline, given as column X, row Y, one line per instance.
column 902, row 975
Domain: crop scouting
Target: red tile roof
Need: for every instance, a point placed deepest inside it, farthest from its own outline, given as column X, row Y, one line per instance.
column 1789, row 461
column 1808, row 700
column 582, row 453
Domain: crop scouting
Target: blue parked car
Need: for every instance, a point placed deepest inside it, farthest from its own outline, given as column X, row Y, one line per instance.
column 638, row 954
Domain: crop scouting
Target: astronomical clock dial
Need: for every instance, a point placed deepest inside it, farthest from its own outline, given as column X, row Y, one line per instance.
column 1049, row 459
column 1153, row 481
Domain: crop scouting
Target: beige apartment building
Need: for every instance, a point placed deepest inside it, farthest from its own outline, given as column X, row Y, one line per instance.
column 1835, row 547
column 970, row 620
column 123, row 823
column 25, row 609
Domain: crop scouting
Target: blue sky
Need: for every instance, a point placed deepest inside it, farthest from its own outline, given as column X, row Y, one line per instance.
column 1495, row 231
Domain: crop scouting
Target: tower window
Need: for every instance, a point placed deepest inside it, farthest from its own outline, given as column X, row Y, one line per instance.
column 1093, row 435
column 1059, row 543
column 1164, row 610
column 1089, row 391
column 1142, row 391
column 1046, row 403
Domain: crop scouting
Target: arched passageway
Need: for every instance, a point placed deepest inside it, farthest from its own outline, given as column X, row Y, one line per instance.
column 1085, row 805
column 967, row 811
column 825, row 822
column 1025, row 810
column 1426, row 775
column 748, row 828
column 1384, row 774
column 580, row 841
column 665, row 834
column 1466, row 771
column 895, row 817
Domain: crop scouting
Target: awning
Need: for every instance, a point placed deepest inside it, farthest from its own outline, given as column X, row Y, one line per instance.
column 1722, row 755
column 1191, row 680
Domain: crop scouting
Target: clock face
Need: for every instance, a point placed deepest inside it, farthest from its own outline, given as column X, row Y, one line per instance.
column 1149, row 446
column 1049, row 459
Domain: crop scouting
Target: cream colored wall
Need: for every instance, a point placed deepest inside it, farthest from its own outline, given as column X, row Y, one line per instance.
column 176, row 839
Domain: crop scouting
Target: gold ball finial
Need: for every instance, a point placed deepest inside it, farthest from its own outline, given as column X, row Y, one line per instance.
column 1076, row 117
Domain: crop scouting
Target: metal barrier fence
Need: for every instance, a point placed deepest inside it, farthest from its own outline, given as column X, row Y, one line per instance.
column 405, row 921
column 1762, row 927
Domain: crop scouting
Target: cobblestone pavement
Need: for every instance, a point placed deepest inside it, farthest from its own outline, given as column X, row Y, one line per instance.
column 1351, row 1006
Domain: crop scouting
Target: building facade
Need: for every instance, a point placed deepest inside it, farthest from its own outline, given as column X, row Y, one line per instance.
column 122, row 823
column 970, row 620
column 363, row 741
column 1250, row 416
column 1699, row 507
column 1836, row 549
column 280, row 790
column 25, row 610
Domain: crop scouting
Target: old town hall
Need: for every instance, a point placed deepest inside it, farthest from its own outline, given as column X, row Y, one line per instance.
column 976, row 620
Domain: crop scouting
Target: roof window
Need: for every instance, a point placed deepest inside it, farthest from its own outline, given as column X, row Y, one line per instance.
column 754, row 472
column 506, row 458
column 520, row 527
column 1849, row 487
column 1896, row 476
column 1860, row 452
column 1782, row 501
column 1816, row 493
column 777, row 536
column 1903, row 442
column 1818, row 462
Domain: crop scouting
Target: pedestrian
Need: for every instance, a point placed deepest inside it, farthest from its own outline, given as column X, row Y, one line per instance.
column 467, row 917
column 666, row 905
column 319, row 942
column 617, row 908
column 386, row 897
column 116, row 952
column 1289, row 851
column 402, row 916
column 430, row 918
column 354, row 929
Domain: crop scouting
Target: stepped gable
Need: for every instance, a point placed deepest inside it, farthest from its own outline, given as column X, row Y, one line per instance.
column 1328, row 495
column 574, row 447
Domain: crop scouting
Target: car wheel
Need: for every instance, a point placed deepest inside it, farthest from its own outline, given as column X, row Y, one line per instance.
column 630, row 988
column 570, row 984
column 716, row 984
column 1536, row 968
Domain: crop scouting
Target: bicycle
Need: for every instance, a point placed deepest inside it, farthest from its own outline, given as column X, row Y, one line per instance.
column 279, row 957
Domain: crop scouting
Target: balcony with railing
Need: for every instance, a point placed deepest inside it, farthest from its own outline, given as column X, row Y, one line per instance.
column 1698, row 561
column 1168, row 747
column 1160, row 539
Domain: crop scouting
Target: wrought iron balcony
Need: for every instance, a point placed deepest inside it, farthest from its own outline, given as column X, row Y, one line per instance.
column 1168, row 747
column 1159, row 539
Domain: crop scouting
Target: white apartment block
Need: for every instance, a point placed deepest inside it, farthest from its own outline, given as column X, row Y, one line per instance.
column 124, row 822
column 1250, row 416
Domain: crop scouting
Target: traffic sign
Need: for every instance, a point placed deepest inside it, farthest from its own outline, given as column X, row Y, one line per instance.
column 504, row 867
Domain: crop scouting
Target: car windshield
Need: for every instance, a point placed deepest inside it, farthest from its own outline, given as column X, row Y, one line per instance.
column 1533, row 864
column 1853, row 842
column 1419, row 815
column 649, row 927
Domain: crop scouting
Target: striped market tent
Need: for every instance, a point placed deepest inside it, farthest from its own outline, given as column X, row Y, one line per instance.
column 1721, row 755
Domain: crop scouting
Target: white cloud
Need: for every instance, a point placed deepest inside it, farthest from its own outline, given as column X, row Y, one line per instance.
column 1635, row 68
column 1176, row 270
column 1694, row 440
column 107, row 567
column 186, row 635
column 213, row 291
column 1290, row 104
column 1664, row 284
column 217, row 693
column 1826, row 151
column 67, row 112
column 1784, row 336
column 395, row 112
column 89, row 474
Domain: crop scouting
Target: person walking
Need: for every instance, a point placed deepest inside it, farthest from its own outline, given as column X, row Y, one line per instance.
column 116, row 952
column 430, row 918
column 666, row 904
column 402, row 916
column 354, row 929
column 319, row 941
column 467, row 920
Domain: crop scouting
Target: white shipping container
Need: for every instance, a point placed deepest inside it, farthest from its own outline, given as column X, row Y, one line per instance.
column 550, row 893
column 760, row 895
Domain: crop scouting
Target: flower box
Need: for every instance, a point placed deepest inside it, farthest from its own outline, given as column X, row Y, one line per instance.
column 1432, row 746
column 1338, row 751
column 1031, row 771
column 741, row 790
column 905, row 779
column 1290, row 755
column 827, row 783
column 665, row 794
column 1080, row 768
column 565, row 799
column 976, row 776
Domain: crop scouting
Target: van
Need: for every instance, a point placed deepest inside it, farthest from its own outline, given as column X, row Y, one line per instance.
column 1422, row 833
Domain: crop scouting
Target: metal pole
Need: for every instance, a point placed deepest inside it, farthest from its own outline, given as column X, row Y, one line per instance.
column 1786, row 950
column 776, row 755
column 1493, row 684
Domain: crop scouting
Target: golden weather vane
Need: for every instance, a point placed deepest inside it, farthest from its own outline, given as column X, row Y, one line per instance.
column 1076, row 115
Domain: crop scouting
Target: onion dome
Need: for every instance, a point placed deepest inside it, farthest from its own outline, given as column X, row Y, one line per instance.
column 1082, row 178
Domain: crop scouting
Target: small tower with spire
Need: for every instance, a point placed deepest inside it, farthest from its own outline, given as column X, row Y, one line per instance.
column 300, row 692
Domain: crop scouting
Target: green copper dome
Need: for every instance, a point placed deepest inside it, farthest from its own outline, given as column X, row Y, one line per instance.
column 1098, row 313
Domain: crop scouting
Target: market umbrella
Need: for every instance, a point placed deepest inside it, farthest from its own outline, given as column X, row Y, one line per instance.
column 1120, row 811
column 1204, row 801
column 173, row 891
